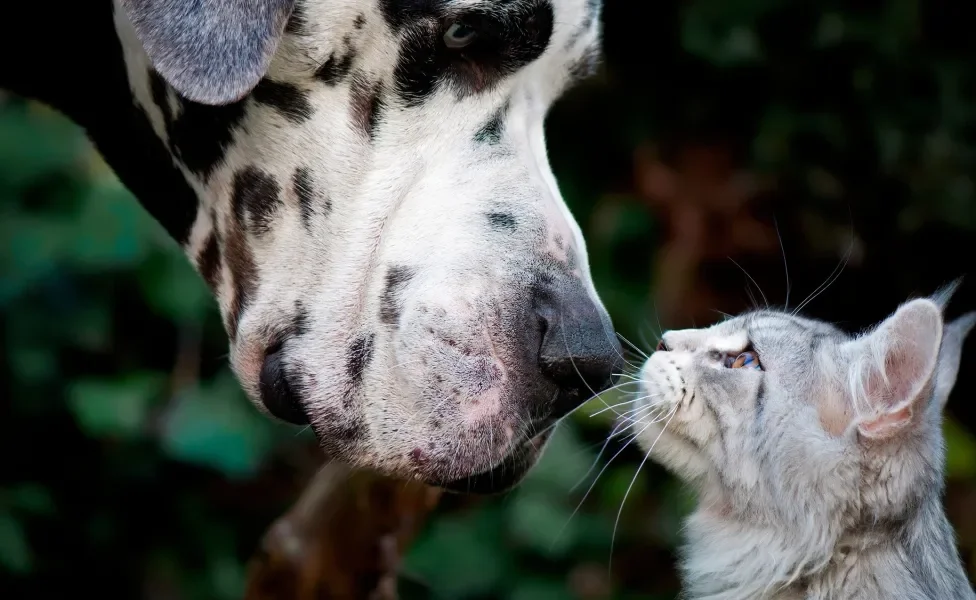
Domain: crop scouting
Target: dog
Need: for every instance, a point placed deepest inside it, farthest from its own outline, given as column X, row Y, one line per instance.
column 363, row 184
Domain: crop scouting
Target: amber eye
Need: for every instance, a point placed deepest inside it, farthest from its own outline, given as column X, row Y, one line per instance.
column 746, row 360
column 661, row 347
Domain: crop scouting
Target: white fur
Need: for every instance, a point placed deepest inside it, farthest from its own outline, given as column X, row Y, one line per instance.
column 416, row 195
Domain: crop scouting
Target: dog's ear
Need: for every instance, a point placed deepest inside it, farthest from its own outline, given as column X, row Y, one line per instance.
column 210, row 51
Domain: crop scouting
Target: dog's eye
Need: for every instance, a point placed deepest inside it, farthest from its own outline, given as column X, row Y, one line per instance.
column 746, row 360
column 459, row 35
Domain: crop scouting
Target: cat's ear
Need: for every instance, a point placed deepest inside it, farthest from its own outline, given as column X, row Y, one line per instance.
column 891, row 368
column 953, row 338
column 944, row 294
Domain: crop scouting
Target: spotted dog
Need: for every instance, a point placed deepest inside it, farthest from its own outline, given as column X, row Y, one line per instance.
column 364, row 186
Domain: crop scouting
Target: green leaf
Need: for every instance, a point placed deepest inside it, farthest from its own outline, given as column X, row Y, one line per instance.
column 563, row 464
column 15, row 552
column 215, row 426
column 227, row 577
column 541, row 589
column 34, row 143
column 461, row 556
column 32, row 248
column 619, row 484
column 115, row 407
column 32, row 364
column 31, row 498
column 171, row 286
column 542, row 523
column 960, row 451
column 111, row 230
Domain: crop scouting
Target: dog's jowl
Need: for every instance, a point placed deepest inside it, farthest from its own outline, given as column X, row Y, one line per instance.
column 364, row 186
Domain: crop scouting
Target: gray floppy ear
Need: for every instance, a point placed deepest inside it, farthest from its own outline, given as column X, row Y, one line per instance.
column 950, row 354
column 210, row 51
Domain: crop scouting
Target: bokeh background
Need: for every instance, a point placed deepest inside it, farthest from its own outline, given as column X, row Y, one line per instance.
column 840, row 140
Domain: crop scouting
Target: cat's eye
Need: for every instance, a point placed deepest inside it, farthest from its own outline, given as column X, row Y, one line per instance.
column 459, row 35
column 661, row 347
column 745, row 360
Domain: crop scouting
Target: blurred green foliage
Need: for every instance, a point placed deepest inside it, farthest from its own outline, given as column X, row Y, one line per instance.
column 134, row 465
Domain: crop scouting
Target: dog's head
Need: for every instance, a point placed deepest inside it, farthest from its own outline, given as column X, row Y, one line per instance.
column 378, row 218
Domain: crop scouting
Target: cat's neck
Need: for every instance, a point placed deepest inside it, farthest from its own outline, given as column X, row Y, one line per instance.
column 915, row 559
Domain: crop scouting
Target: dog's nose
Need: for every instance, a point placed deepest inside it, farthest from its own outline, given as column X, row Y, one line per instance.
column 579, row 350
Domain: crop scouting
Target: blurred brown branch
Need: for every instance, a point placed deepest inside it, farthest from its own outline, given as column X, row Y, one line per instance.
column 708, row 205
column 343, row 538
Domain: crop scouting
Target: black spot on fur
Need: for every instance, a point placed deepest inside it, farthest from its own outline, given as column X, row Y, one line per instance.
column 491, row 132
column 301, row 181
column 360, row 353
column 299, row 321
column 587, row 65
column 338, row 430
column 160, row 92
column 240, row 265
column 296, row 23
column 202, row 133
column 367, row 104
column 360, row 21
column 336, row 68
column 398, row 12
column 510, row 36
column 592, row 11
column 285, row 98
column 502, row 221
column 396, row 279
column 208, row 260
column 257, row 195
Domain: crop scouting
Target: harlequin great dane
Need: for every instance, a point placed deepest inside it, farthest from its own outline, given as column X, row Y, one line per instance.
column 364, row 186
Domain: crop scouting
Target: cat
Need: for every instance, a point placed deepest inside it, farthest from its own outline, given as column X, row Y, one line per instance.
column 817, row 457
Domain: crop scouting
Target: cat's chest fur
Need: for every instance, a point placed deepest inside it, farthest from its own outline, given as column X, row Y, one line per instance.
column 728, row 559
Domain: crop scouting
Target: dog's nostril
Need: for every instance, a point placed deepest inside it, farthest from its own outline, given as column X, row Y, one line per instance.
column 578, row 350
column 276, row 392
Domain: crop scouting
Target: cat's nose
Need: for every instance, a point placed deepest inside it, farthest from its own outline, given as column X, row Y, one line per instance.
column 579, row 351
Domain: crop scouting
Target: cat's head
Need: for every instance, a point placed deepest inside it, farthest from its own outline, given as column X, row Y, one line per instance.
column 784, row 418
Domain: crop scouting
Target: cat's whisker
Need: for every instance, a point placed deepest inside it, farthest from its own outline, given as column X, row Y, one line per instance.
column 620, row 511
column 598, row 475
column 640, row 352
column 786, row 267
column 834, row 275
column 657, row 317
column 611, row 407
column 765, row 301
column 625, row 402
column 723, row 314
column 653, row 406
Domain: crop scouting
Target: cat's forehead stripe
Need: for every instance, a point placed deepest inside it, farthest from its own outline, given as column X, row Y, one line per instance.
column 783, row 323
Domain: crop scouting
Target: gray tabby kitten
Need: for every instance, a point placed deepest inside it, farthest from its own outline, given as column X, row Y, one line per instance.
column 817, row 457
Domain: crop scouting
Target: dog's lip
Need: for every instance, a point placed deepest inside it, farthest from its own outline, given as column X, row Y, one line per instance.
column 506, row 474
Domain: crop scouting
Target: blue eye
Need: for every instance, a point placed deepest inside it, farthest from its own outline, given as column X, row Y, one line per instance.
column 459, row 35
column 747, row 360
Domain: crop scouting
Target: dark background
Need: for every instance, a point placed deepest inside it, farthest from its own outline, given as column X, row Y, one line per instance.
column 132, row 465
